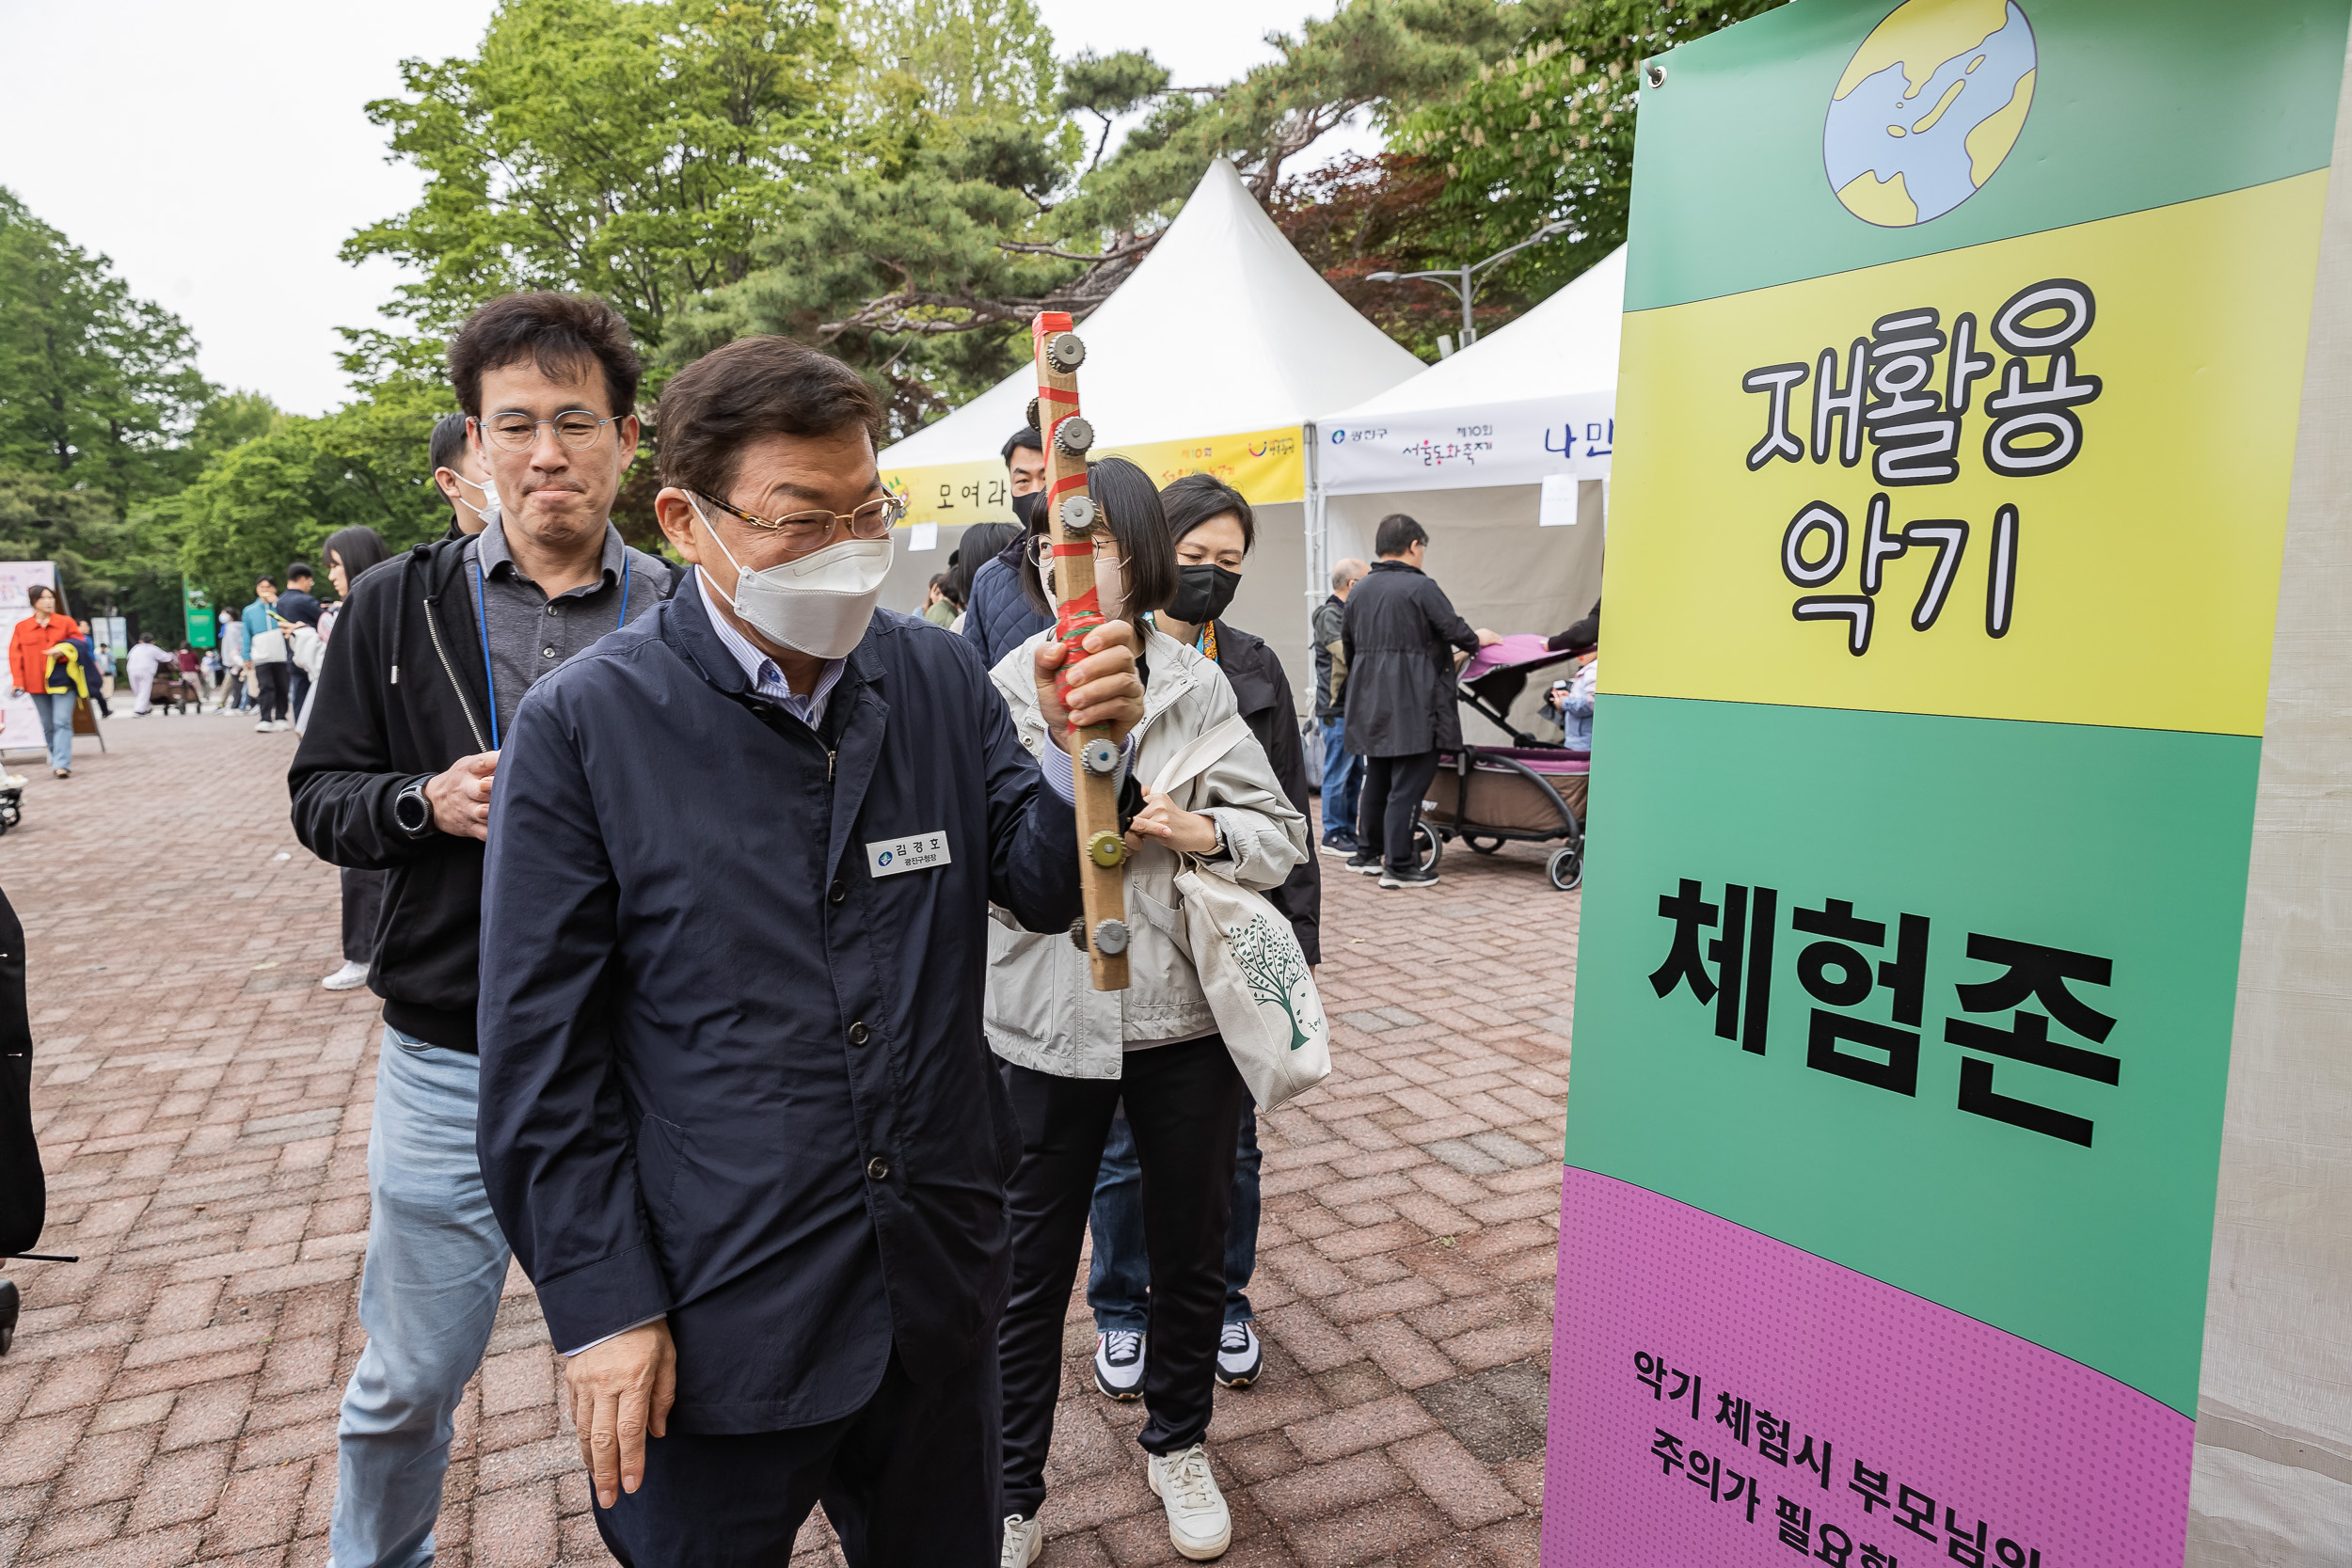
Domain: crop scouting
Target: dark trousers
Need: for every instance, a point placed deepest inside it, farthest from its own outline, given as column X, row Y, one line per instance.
column 1119, row 1281
column 908, row 1481
column 272, row 679
column 298, row 688
column 363, row 903
column 1182, row 1102
column 1393, row 790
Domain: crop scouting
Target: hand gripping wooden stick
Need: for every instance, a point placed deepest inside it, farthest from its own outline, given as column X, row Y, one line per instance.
column 1073, row 523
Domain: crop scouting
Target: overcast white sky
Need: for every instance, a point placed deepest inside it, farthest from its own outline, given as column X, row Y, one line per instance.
column 220, row 154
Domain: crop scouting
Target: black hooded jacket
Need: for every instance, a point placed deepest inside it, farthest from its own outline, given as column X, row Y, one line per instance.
column 400, row 697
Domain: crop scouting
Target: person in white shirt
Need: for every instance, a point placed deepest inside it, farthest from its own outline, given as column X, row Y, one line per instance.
column 232, row 666
column 145, row 660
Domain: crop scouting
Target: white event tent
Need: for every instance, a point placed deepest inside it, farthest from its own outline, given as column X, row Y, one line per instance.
column 1502, row 452
column 1211, row 359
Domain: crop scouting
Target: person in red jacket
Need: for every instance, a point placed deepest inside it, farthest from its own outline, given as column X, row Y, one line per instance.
column 29, row 673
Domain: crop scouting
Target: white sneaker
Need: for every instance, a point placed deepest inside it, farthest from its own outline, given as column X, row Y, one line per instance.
column 264, row 727
column 1239, row 1356
column 1119, row 1365
column 1024, row 1539
column 350, row 977
column 1199, row 1523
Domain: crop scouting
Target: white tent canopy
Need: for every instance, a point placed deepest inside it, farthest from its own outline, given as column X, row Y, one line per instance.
column 1502, row 451
column 1209, row 360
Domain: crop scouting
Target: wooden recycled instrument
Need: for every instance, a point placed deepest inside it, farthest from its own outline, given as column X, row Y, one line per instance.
column 1073, row 523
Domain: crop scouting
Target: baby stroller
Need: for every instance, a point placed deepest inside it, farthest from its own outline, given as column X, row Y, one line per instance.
column 175, row 691
column 1527, row 792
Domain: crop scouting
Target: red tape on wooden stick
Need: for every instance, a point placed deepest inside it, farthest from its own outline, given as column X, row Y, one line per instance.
column 1078, row 617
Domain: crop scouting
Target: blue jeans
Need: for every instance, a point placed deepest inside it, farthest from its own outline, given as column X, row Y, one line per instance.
column 1343, row 777
column 55, row 713
column 428, row 1296
column 1119, row 1282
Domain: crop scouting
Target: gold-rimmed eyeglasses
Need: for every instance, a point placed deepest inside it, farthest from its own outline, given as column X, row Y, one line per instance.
column 802, row 532
column 575, row 428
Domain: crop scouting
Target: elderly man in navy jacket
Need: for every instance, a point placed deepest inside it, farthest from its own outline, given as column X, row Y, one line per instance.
column 737, row 1115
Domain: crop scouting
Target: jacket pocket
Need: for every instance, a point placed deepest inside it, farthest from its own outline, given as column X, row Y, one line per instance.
column 660, row 1162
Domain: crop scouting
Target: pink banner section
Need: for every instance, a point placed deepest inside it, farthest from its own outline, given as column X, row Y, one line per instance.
column 1720, row 1399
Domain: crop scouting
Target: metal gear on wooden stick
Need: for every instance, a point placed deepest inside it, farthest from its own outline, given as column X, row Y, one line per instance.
column 1071, row 518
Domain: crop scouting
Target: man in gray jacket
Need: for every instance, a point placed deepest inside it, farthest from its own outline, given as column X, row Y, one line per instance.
column 1343, row 769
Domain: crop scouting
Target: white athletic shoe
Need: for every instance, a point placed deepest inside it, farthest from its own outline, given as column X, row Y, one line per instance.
column 1119, row 1365
column 1239, row 1356
column 1199, row 1523
column 350, row 977
column 1024, row 1539
column 264, row 727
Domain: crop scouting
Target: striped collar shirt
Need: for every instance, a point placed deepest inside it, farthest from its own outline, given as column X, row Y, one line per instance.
column 767, row 680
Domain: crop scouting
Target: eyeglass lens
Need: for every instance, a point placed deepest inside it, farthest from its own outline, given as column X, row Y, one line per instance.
column 1042, row 552
column 872, row 521
column 515, row 432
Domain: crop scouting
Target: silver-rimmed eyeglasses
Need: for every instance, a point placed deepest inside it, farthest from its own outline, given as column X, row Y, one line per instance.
column 575, row 428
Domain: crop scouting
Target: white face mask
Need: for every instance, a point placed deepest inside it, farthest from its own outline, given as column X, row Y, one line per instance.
column 489, row 509
column 819, row 604
column 1110, row 589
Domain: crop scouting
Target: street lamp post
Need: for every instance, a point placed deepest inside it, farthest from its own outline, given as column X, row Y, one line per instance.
column 1463, row 281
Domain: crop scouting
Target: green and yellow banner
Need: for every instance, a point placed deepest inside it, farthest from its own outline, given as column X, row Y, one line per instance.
column 1962, row 358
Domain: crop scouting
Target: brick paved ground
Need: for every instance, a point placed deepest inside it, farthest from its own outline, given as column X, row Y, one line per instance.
column 204, row 1106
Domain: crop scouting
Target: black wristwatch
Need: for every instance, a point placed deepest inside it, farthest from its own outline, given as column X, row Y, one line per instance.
column 412, row 813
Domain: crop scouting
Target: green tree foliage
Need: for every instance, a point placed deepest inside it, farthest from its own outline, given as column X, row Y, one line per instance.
column 78, row 529
column 922, row 262
column 98, row 388
column 632, row 151
column 142, row 568
column 1381, row 56
column 275, row 497
column 1108, row 85
column 1546, row 133
column 1355, row 216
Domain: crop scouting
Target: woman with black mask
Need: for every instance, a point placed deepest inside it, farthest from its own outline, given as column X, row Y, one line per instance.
column 1074, row 1054
column 1215, row 532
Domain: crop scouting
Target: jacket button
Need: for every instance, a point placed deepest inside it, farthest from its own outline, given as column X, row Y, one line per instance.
column 878, row 1167
column 859, row 1034
column 838, row 893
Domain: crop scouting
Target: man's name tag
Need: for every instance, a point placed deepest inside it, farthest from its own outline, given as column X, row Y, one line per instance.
column 887, row 857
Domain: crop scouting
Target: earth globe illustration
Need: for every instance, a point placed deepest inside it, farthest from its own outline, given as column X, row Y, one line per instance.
column 1927, row 108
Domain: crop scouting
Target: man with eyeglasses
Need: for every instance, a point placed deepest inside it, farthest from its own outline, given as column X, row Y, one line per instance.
column 998, row 616
column 429, row 661
column 737, row 1112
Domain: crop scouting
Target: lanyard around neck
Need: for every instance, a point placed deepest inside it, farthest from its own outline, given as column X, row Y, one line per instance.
column 481, row 621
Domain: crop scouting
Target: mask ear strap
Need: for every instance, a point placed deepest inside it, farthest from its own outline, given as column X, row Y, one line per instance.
column 707, row 578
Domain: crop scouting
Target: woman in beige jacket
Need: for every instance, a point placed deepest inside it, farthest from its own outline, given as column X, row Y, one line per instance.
column 1073, row 1053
